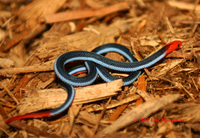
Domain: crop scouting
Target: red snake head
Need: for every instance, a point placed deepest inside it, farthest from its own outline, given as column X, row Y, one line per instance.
column 172, row 46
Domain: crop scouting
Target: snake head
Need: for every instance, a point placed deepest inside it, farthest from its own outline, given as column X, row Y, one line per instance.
column 172, row 46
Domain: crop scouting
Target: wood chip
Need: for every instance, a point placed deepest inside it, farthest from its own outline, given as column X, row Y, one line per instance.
column 52, row 98
column 141, row 111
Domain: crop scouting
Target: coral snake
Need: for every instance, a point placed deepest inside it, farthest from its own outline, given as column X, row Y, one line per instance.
column 95, row 65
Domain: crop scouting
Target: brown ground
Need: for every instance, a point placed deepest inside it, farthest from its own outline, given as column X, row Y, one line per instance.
column 163, row 102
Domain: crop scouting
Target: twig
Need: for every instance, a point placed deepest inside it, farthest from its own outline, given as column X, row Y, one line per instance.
column 139, row 58
column 101, row 115
column 80, row 14
column 184, row 5
column 9, row 93
column 31, row 129
column 169, row 25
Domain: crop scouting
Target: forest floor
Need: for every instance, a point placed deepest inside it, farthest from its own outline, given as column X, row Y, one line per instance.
column 162, row 102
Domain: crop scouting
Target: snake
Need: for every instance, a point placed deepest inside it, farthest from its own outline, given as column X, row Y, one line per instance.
column 95, row 64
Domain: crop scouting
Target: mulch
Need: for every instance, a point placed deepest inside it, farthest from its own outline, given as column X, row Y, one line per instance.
column 162, row 102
